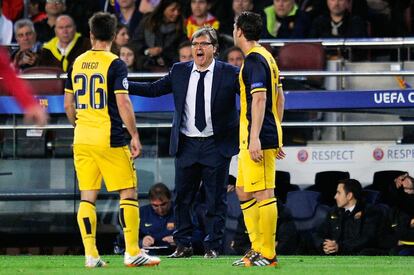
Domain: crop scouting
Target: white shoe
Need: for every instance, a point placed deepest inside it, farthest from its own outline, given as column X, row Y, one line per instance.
column 142, row 259
column 92, row 262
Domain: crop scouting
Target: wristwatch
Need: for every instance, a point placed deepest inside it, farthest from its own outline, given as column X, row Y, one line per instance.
column 146, row 52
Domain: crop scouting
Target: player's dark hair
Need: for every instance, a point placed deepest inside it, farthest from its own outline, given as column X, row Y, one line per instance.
column 159, row 191
column 352, row 186
column 251, row 25
column 103, row 26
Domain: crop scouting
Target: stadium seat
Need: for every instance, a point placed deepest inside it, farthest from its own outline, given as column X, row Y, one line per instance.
column 283, row 185
column 301, row 57
column 306, row 210
column 371, row 196
column 307, row 214
column 381, row 182
column 326, row 183
column 46, row 86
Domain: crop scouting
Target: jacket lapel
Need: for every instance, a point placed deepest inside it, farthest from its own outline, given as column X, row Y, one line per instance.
column 216, row 81
column 185, row 81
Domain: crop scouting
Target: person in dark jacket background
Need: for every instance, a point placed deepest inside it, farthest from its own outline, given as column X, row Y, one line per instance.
column 62, row 50
column 338, row 22
column 284, row 19
column 402, row 216
column 158, row 36
column 351, row 227
column 157, row 220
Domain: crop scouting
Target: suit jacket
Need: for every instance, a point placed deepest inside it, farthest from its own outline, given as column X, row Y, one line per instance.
column 224, row 115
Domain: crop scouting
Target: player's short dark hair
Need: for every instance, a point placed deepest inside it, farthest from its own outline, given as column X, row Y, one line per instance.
column 352, row 186
column 103, row 26
column 209, row 32
column 251, row 25
column 159, row 191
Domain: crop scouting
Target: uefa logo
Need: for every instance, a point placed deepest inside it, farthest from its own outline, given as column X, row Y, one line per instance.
column 303, row 155
column 378, row 154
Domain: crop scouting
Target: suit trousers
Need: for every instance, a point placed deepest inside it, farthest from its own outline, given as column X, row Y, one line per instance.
column 198, row 162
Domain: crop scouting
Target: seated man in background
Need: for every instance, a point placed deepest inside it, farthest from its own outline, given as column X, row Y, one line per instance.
column 284, row 19
column 402, row 216
column 28, row 53
column 157, row 220
column 63, row 49
column 157, row 224
column 351, row 227
column 338, row 22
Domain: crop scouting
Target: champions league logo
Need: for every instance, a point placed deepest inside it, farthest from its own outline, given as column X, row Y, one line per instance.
column 378, row 154
column 125, row 83
column 302, row 155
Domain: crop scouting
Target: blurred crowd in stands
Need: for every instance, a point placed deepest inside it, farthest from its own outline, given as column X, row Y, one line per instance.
column 150, row 32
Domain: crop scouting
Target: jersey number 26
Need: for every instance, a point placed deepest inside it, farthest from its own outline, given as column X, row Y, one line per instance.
column 97, row 96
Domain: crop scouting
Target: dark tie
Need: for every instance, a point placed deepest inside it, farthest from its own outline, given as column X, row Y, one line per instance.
column 200, row 114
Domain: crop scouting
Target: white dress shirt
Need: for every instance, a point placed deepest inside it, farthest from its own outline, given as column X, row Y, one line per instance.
column 188, row 127
column 6, row 30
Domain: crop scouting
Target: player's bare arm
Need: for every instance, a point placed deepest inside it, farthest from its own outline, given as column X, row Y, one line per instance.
column 128, row 118
column 70, row 110
column 280, row 103
column 280, row 111
column 258, row 110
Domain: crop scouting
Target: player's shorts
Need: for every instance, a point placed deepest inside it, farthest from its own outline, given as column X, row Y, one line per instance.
column 114, row 165
column 256, row 176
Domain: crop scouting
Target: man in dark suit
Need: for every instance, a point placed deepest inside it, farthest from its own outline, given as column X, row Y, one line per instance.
column 352, row 227
column 204, row 136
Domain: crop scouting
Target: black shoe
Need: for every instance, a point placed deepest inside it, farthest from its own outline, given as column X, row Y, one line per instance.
column 211, row 254
column 182, row 252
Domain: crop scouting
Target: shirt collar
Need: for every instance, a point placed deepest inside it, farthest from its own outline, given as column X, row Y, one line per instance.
column 209, row 68
column 350, row 209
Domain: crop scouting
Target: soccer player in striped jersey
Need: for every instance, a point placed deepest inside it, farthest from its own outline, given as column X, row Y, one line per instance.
column 97, row 103
column 261, row 113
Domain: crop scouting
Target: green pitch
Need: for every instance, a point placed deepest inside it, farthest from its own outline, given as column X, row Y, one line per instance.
column 287, row 265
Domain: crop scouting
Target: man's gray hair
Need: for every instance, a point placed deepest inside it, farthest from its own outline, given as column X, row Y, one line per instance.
column 23, row 23
column 207, row 31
